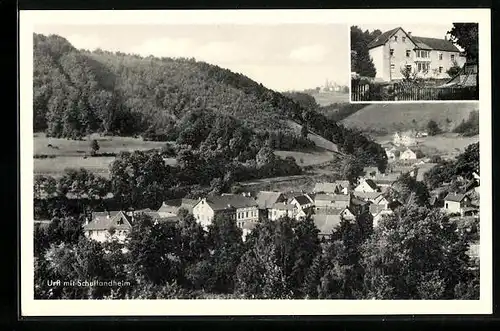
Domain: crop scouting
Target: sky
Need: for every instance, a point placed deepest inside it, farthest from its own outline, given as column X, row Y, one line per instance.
column 281, row 57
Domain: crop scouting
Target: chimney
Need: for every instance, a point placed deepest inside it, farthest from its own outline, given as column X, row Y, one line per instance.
column 409, row 33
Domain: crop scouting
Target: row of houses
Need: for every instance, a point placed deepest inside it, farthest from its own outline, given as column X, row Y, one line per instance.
column 328, row 204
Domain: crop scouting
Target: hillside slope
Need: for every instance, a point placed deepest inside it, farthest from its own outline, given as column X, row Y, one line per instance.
column 391, row 117
column 77, row 92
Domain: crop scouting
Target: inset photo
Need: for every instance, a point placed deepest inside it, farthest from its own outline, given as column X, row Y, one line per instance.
column 414, row 62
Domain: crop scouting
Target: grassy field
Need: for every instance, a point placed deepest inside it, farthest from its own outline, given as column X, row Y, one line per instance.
column 392, row 117
column 319, row 141
column 71, row 153
column 327, row 98
column 447, row 145
column 311, row 158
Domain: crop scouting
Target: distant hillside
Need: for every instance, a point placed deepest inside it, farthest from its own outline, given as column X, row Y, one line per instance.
column 77, row 92
column 391, row 117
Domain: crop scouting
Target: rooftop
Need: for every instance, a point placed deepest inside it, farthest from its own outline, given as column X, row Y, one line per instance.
column 266, row 199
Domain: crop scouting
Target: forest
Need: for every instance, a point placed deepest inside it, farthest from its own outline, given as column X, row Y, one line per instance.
column 78, row 92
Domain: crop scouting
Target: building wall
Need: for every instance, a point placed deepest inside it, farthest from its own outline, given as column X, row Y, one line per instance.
column 275, row 214
column 452, row 206
column 104, row 235
column 377, row 55
column 248, row 214
column 331, row 204
column 408, row 155
column 399, row 59
column 203, row 213
column 446, row 63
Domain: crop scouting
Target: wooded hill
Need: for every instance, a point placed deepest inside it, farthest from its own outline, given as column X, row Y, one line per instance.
column 77, row 92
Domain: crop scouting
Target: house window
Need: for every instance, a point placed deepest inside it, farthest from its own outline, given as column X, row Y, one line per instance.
column 408, row 67
column 408, row 53
column 447, row 205
column 393, row 67
column 246, row 214
column 396, row 38
column 440, row 56
column 404, row 39
column 452, row 57
column 391, row 51
column 440, row 69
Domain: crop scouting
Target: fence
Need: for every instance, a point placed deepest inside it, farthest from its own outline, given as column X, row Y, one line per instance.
column 397, row 92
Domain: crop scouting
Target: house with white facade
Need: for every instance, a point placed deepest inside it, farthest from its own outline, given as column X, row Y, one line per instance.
column 105, row 226
column 366, row 185
column 456, row 203
column 337, row 187
column 303, row 202
column 241, row 208
column 397, row 50
column 325, row 201
column 284, row 209
column 408, row 154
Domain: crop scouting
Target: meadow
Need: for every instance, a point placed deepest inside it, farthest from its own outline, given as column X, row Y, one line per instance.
column 447, row 145
column 327, row 98
column 75, row 153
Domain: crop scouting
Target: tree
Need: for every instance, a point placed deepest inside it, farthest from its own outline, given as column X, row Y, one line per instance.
column 304, row 131
column 351, row 169
column 433, row 128
column 225, row 243
column 466, row 35
column 94, row 146
column 414, row 254
column 153, row 249
column 454, row 69
column 363, row 63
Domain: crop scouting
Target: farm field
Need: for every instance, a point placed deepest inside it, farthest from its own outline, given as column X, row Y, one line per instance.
column 392, row 117
column 447, row 145
column 71, row 153
column 311, row 158
column 327, row 98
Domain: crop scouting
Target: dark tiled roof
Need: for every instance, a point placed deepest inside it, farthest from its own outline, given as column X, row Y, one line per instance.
column 421, row 42
column 302, row 199
column 455, row 197
column 333, row 197
column 231, row 201
column 382, row 39
column 371, row 183
column 103, row 222
column 266, row 199
column 435, row 44
column 173, row 206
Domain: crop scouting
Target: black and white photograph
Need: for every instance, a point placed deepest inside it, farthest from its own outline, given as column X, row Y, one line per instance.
column 412, row 62
column 210, row 166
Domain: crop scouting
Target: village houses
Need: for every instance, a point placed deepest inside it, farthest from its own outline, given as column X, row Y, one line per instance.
column 366, row 185
column 326, row 201
column 242, row 209
column 104, row 226
column 284, row 209
column 455, row 203
column 337, row 187
column 398, row 50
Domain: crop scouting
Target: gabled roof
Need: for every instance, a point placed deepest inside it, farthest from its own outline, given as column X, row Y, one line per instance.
column 367, row 195
column 230, row 201
column 333, row 197
column 435, row 44
column 326, row 223
column 382, row 39
column 101, row 221
column 420, row 42
column 302, row 200
column 455, row 197
column 266, row 199
column 173, row 206
column 283, row 206
column 371, row 183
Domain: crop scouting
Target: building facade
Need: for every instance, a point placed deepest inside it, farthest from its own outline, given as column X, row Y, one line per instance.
column 397, row 50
